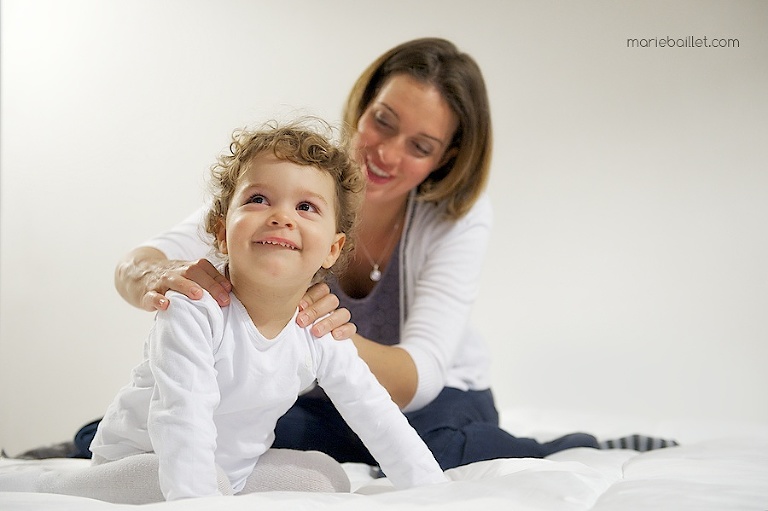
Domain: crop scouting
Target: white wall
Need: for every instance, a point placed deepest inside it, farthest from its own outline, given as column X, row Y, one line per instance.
column 627, row 272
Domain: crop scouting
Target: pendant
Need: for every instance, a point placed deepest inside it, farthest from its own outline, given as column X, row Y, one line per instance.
column 375, row 273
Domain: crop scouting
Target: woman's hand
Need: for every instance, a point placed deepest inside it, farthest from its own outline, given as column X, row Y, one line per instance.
column 145, row 275
column 188, row 278
column 316, row 303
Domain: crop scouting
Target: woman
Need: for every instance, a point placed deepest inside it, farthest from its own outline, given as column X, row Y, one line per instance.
column 419, row 124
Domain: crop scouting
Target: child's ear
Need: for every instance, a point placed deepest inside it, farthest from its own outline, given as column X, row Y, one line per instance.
column 335, row 251
column 221, row 236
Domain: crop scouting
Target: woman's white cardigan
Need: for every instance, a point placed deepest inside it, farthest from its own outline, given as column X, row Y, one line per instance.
column 440, row 265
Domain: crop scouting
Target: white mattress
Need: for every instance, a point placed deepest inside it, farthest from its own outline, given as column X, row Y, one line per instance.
column 727, row 471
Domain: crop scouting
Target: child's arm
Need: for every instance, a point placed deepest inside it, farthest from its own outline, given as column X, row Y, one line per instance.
column 180, row 421
column 370, row 412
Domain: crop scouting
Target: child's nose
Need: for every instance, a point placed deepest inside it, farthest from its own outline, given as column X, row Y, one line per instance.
column 281, row 218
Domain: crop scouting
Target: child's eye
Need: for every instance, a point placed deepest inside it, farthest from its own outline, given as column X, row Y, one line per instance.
column 306, row 206
column 256, row 199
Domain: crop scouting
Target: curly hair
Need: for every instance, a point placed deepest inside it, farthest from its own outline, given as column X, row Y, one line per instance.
column 306, row 141
column 437, row 62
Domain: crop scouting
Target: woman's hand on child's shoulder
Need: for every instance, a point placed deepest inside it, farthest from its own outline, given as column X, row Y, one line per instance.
column 187, row 278
column 318, row 302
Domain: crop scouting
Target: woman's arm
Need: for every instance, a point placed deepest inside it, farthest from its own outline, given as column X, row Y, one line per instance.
column 145, row 274
column 442, row 282
column 392, row 366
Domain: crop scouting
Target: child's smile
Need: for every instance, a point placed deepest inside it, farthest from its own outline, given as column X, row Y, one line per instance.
column 278, row 242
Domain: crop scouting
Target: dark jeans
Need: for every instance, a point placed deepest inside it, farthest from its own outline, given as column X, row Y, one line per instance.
column 458, row 427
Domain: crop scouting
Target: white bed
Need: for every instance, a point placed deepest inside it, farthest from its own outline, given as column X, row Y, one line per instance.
column 718, row 466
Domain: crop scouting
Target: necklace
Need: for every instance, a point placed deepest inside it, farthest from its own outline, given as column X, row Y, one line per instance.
column 375, row 274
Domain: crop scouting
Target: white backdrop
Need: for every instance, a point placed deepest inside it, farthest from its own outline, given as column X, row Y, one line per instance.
column 628, row 270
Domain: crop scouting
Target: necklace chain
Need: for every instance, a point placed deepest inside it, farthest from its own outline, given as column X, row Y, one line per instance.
column 375, row 274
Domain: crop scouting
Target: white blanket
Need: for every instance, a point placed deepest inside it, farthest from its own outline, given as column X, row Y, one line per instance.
column 724, row 473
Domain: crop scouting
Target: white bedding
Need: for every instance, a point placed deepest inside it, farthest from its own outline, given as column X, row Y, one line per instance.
column 728, row 471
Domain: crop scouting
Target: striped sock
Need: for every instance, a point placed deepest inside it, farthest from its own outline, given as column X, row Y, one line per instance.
column 640, row 443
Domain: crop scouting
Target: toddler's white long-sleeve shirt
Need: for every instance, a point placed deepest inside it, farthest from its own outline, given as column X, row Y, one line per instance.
column 211, row 389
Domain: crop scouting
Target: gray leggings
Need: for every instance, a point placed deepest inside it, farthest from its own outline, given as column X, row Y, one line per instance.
column 134, row 479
